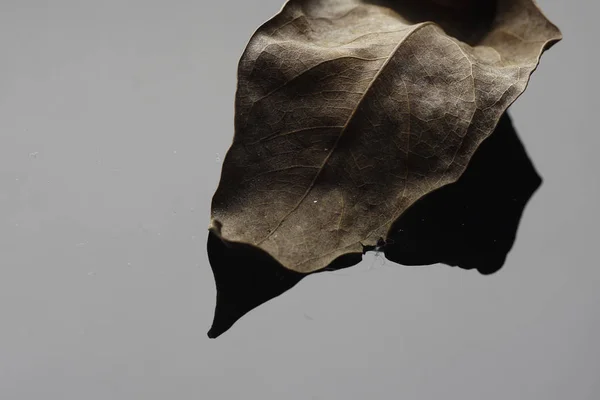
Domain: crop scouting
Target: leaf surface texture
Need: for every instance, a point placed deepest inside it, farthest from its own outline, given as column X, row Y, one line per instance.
column 349, row 111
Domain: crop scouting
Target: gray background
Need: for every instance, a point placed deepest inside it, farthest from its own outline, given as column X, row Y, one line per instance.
column 114, row 116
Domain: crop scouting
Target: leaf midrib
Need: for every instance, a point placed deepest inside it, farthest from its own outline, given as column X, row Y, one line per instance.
column 345, row 127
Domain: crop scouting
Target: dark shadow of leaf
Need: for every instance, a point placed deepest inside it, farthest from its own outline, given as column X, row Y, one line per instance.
column 247, row 277
column 471, row 223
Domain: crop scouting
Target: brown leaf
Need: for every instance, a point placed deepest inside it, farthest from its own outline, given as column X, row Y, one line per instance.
column 349, row 111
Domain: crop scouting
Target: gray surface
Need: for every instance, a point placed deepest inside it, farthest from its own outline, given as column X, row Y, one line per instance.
column 112, row 117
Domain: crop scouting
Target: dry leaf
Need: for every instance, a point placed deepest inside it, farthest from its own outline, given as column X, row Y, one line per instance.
column 349, row 111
